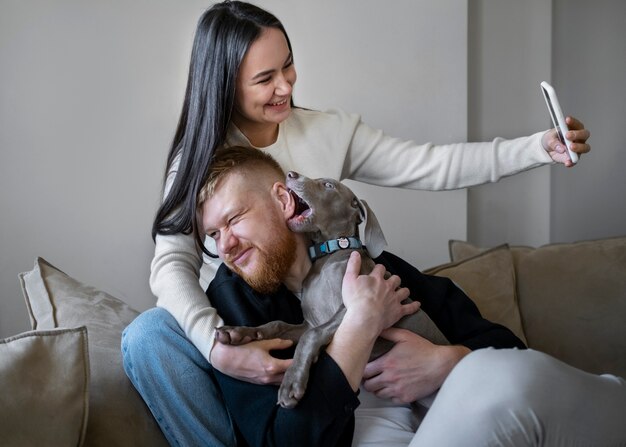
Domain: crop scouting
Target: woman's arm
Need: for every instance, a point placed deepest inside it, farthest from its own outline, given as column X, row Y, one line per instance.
column 175, row 280
column 376, row 158
column 379, row 159
column 339, row 145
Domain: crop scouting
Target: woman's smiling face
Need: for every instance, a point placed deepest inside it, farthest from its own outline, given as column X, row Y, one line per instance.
column 265, row 83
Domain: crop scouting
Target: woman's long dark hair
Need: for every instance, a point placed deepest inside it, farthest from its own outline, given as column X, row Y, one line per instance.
column 223, row 36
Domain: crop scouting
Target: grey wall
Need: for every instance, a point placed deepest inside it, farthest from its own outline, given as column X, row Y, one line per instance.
column 579, row 46
column 417, row 91
column 89, row 97
column 509, row 55
column 590, row 69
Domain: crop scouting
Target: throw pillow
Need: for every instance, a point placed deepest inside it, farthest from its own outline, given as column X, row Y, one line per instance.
column 44, row 388
column 488, row 278
column 117, row 414
column 460, row 250
column 572, row 299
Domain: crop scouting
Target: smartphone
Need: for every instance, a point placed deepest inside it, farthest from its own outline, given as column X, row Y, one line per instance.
column 558, row 119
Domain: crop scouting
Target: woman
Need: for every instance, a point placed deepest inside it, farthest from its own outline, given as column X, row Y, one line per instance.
column 239, row 92
column 258, row 111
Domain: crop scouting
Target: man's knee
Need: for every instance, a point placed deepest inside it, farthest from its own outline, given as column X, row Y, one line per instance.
column 508, row 397
column 497, row 379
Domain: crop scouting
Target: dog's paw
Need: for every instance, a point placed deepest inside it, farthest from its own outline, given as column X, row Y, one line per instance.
column 292, row 388
column 236, row 335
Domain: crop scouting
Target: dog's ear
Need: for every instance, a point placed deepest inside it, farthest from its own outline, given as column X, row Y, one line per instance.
column 369, row 230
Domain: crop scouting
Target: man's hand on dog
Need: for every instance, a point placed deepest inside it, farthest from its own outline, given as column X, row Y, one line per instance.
column 371, row 299
column 413, row 369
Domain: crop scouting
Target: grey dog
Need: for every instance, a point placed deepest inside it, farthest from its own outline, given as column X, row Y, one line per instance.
column 337, row 223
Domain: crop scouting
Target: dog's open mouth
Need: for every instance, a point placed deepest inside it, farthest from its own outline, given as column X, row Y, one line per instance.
column 302, row 211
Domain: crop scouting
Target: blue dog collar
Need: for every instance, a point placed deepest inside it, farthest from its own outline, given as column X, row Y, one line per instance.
column 325, row 248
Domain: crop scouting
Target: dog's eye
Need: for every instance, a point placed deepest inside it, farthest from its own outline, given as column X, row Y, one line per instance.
column 329, row 185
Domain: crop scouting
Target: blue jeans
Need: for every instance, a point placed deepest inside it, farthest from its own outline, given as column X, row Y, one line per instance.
column 175, row 381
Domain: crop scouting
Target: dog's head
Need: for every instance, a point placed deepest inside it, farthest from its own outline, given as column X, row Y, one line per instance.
column 328, row 209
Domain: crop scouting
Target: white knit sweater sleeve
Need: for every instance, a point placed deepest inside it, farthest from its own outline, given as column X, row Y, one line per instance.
column 378, row 159
column 175, row 279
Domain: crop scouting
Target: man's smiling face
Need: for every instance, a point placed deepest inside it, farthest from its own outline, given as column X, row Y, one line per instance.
column 249, row 230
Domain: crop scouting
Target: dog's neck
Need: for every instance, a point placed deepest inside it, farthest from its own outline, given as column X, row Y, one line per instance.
column 319, row 250
column 301, row 265
column 319, row 237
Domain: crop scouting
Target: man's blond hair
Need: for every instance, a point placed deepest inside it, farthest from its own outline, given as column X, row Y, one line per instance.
column 236, row 159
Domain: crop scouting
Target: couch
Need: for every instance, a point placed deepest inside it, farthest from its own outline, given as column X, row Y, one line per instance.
column 63, row 383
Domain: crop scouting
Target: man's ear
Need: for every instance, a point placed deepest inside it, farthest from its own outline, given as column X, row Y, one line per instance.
column 286, row 201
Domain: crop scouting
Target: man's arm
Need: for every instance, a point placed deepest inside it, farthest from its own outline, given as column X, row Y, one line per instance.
column 415, row 367
column 324, row 416
column 454, row 313
column 372, row 305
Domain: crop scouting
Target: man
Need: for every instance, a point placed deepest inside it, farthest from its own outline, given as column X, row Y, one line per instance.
column 492, row 397
column 244, row 208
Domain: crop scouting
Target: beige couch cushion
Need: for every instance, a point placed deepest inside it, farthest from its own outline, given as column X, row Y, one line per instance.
column 572, row 300
column 488, row 278
column 44, row 388
column 460, row 250
column 117, row 414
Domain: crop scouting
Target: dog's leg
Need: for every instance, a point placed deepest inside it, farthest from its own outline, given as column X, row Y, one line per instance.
column 311, row 343
column 240, row 335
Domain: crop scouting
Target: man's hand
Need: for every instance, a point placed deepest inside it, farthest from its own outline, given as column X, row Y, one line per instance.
column 372, row 300
column 577, row 134
column 252, row 362
column 414, row 368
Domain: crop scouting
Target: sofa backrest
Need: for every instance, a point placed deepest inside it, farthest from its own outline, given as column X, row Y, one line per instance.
column 572, row 300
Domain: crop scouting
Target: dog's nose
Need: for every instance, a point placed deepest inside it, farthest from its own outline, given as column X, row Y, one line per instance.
column 293, row 174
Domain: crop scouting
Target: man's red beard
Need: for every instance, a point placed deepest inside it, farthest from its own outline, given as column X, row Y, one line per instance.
column 273, row 264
